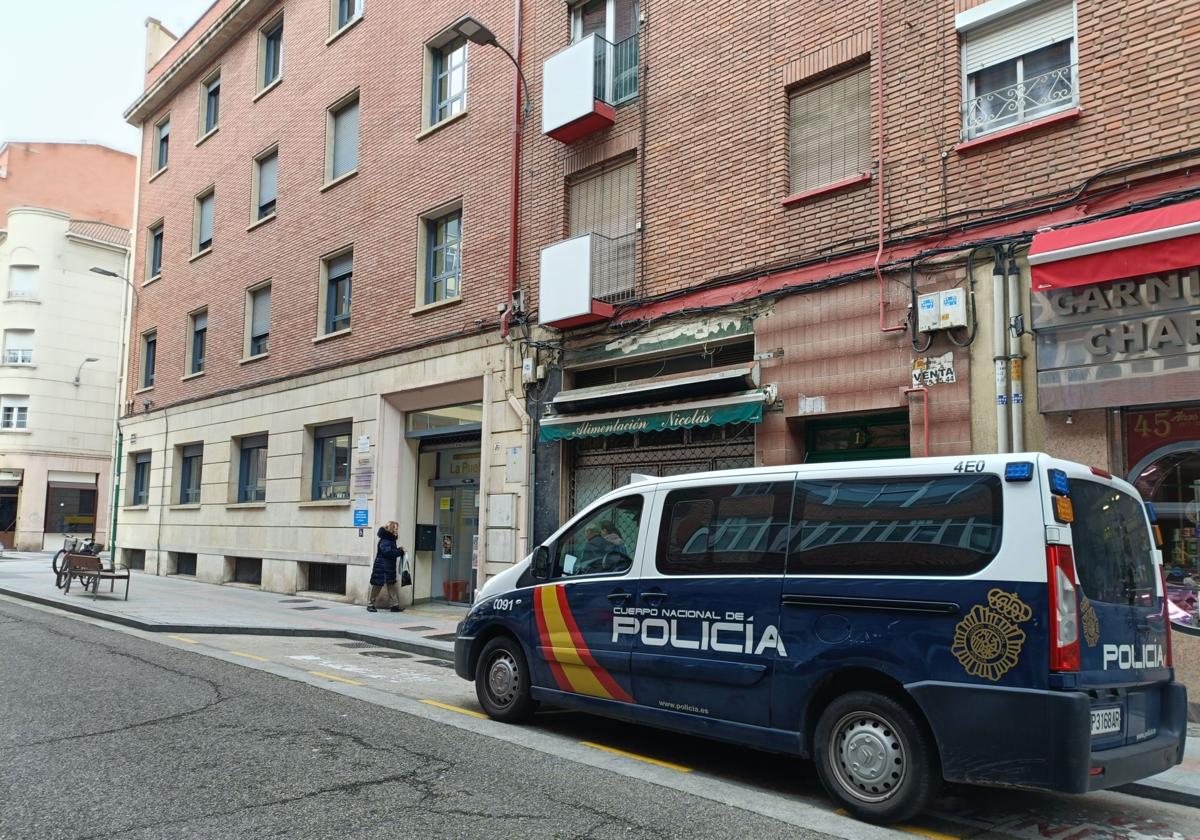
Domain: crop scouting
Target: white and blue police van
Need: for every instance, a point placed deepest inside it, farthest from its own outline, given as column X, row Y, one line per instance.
column 995, row 620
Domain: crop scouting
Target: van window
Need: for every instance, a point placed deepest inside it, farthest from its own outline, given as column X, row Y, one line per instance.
column 1111, row 544
column 927, row 525
column 603, row 542
column 726, row 529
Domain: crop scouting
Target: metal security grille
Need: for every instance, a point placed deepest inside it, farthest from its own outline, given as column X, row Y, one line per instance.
column 830, row 130
column 599, row 465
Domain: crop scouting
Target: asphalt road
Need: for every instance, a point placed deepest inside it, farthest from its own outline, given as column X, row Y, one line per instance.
column 103, row 734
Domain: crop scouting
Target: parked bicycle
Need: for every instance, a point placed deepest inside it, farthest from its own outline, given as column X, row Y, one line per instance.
column 71, row 545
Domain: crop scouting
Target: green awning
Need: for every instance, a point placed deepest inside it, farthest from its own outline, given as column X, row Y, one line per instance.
column 719, row 411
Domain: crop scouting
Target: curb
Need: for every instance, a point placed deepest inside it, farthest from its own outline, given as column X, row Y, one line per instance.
column 439, row 650
column 1160, row 794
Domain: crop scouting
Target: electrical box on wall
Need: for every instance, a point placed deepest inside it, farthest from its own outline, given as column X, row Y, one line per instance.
column 527, row 370
column 953, row 309
column 929, row 312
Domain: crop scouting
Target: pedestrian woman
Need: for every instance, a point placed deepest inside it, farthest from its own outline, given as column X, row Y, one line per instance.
column 384, row 571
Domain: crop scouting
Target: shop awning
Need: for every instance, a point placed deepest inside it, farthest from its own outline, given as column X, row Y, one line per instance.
column 1150, row 242
column 691, row 385
column 720, row 411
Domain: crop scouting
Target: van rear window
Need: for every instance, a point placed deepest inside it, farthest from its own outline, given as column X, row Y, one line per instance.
column 1111, row 544
column 931, row 525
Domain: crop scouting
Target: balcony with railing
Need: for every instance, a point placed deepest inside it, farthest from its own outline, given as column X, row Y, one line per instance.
column 1028, row 100
column 584, row 83
column 584, row 277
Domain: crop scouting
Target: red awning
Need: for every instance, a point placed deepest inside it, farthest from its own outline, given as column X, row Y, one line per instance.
column 1151, row 242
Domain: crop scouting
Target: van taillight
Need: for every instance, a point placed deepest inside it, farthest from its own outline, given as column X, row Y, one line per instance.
column 1167, row 619
column 1064, row 608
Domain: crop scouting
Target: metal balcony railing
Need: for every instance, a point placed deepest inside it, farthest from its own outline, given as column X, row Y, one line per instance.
column 18, row 357
column 614, row 268
column 1027, row 100
column 616, row 70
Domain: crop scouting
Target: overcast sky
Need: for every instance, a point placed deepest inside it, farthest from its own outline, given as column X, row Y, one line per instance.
column 70, row 68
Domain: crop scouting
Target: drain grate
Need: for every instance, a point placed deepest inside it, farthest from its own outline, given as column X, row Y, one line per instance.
column 441, row 663
column 310, row 608
column 384, row 654
column 414, row 627
column 294, row 601
column 355, row 645
column 443, row 637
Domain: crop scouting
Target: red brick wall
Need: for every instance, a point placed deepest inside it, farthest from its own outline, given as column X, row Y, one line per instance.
column 716, row 137
column 399, row 178
column 82, row 180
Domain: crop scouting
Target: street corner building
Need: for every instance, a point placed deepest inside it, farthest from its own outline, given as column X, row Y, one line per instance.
column 64, row 210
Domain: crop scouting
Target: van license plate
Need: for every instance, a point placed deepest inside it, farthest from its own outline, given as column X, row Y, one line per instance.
column 1106, row 721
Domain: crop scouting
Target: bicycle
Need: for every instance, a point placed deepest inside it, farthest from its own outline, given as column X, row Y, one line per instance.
column 71, row 545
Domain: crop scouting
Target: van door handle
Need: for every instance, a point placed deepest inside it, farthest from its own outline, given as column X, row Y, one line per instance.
column 657, row 596
column 619, row 597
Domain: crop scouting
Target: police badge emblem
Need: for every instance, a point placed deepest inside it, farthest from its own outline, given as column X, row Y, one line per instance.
column 988, row 642
column 1091, row 623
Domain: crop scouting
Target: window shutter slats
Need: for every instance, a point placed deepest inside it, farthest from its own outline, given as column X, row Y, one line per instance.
column 345, row 140
column 605, row 203
column 268, row 169
column 260, row 319
column 1018, row 33
column 206, row 218
column 341, row 265
column 830, row 131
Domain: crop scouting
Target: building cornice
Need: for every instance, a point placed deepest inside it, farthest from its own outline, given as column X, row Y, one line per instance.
column 208, row 46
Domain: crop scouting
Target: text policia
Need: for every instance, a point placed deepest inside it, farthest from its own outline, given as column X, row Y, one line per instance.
column 732, row 632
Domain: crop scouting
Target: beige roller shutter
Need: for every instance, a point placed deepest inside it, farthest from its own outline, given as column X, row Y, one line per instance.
column 606, row 203
column 1016, row 34
column 830, row 130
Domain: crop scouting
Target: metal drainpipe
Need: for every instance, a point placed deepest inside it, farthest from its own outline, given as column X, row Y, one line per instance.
column 1000, row 352
column 515, row 186
column 116, row 497
column 1016, row 363
column 879, row 210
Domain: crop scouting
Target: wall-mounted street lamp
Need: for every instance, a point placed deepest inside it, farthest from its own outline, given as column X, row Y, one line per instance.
column 80, row 369
column 474, row 31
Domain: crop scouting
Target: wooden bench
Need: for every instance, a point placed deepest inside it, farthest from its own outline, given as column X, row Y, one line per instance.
column 89, row 569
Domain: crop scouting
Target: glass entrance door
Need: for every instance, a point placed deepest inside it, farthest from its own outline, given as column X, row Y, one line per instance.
column 8, row 517
column 457, row 525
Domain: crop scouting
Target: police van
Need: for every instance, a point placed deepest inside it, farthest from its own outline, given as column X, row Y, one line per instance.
column 996, row 620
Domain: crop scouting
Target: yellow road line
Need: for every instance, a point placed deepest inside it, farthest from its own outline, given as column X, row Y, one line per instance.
column 250, row 656
column 336, row 678
column 458, row 709
column 657, row 762
column 183, row 639
column 925, row 832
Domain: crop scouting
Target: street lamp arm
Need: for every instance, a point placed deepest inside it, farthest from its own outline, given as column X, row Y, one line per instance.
column 520, row 75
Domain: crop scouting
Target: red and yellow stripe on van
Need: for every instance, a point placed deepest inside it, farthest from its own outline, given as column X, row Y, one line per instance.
column 571, row 663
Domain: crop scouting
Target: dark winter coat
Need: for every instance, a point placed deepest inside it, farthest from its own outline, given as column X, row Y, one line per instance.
column 384, row 570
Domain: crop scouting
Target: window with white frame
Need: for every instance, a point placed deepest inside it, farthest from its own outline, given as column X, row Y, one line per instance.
column 162, row 143
column 342, row 13
column 1018, row 65
column 443, row 256
column 203, row 238
column 258, row 320
column 829, row 130
column 23, row 281
column 266, row 183
column 341, row 152
column 14, row 412
column 210, row 103
column 18, row 347
column 270, row 53
column 616, row 22
column 448, row 71
column 197, row 341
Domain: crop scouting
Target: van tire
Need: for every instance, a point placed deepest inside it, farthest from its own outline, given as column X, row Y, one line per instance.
column 502, row 681
column 901, row 772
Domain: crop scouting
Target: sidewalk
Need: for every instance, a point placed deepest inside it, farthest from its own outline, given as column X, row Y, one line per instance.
column 181, row 605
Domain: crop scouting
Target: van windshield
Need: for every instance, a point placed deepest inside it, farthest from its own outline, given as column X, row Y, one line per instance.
column 1113, row 555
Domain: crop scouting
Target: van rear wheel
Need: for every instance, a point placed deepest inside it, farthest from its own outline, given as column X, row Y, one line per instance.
column 875, row 758
column 502, row 681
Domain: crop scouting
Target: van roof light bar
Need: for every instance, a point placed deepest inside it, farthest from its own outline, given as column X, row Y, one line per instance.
column 1018, row 471
column 1059, row 485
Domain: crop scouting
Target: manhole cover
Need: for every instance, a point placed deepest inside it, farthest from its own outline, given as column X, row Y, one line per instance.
column 415, row 627
column 443, row 637
column 384, row 654
column 355, row 645
column 310, row 608
column 441, row 663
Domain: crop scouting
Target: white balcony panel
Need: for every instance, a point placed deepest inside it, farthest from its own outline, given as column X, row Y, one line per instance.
column 569, row 85
column 566, row 280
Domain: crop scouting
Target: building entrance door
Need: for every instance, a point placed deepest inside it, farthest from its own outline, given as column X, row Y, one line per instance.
column 8, row 516
column 457, row 526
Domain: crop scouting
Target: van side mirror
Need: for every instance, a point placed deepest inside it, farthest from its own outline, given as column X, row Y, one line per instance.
column 539, row 567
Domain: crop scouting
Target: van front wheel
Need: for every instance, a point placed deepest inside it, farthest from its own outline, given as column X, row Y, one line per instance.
column 502, row 681
column 874, row 757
